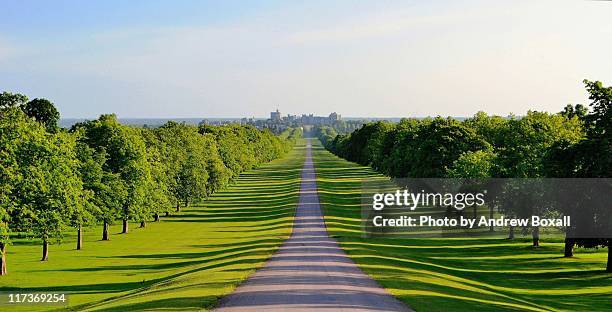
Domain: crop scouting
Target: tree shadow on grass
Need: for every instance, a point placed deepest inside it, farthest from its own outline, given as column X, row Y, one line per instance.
column 97, row 288
column 177, row 265
column 134, row 288
column 266, row 241
column 169, row 304
column 205, row 254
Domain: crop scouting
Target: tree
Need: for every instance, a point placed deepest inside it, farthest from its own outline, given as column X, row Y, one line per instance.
column 43, row 111
column 365, row 144
column 326, row 135
column 48, row 189
column 192, row 180
column 491, row 128
column 399, row 145
column 570, row 111
column 233, row 148
column 527, row 140
column 8, row 99
column 83, row 214
column 474, row 168
column 375, row 145
column 125, row 158
column 594, row 158
column 185, row 156
column 525, row 146
column 473, row 165
column 157, row 197
column 9, row 137
column 439, row 143
column 110, row 194
column 4, row 220
column 218, row 174
column 92, row 175
column 596, row 150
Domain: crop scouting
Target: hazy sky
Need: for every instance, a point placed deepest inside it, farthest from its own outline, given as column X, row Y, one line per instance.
column 359, row 58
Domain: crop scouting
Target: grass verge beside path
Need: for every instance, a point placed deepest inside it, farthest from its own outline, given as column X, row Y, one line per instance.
column 185, row 262
column 460, row 274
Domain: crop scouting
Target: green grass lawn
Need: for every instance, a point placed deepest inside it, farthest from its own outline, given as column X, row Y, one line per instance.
column 185, row 262
column 460, row 274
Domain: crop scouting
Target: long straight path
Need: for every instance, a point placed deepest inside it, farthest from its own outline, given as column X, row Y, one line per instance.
column 310, row 271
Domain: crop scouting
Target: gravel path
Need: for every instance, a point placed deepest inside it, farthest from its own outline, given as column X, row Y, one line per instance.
column 310, row 271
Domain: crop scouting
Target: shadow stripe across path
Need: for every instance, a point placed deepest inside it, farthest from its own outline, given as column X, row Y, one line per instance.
column 310, row 271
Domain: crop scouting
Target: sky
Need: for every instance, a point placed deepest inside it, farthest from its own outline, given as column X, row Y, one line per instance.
column 215, row 59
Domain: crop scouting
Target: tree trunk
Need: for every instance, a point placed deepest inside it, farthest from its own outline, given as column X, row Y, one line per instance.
column 535, row 233
column 178, row 207
column 126, row 228
column 3, row 263
column 105, row 232
column 156, row 217
column 167, row 213
column 143, row 223
column 609, row 267
column 80, row 237
column 45, row 253
column 491, row 228
column 569, row 247
column 511, row 233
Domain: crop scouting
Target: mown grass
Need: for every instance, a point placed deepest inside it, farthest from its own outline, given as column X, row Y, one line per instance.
column 185, row 262
column 460, row 274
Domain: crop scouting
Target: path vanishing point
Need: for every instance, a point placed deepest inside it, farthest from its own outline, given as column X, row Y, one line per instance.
column 310, row 271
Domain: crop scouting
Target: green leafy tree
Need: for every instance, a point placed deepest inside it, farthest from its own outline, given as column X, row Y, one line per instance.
column 110, row 194
column 48, row 190
column 84, row 213
column 185, row 156
column 492, row 128
column 241, row 148
column 365, row 144
column 192, row 179
column 579, row 111
column 43, row 111
column 157, row 197
column 528, row 139
column 326, row 135
column 401, row 141
column 10, row 136
column 413, row 148
column 592, row 158
column 4, row 220
column 474, row 168
column 125, row 158
column 102, row 199
column 524, row 151
column 218, row 174
column 233, row 148
column 439, row 143
column 473, row 165
column 8, row 99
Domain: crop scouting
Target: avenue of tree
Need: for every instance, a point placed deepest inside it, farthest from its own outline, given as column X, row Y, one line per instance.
column 574, row 143
column 102, row 172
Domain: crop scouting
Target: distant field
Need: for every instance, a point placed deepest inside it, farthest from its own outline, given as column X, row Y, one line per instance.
column 185, row 262
column 461, row 274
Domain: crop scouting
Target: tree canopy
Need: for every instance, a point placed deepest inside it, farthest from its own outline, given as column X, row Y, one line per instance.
column 101, row 171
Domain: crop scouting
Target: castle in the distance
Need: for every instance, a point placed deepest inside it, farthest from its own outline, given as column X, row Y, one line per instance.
column 278, row 122
column 310, row 119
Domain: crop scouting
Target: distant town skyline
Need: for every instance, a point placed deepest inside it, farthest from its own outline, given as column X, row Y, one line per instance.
column 222, row 59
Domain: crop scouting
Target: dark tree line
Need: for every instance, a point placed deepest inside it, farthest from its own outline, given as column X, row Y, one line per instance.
column 101, row 172
column 574, row 143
